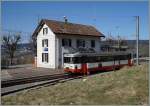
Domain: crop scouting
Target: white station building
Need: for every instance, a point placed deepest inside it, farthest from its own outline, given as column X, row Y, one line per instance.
column 54, row 38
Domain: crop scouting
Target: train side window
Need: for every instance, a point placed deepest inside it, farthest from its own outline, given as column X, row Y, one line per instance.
column 76, row 60
column 91, row 59
column 110, row 58
column 104, row 58
column 129, row 56
column 107, row 58
column 123, row 57
column 117, row 57
column 84, row 59
column 97, row 59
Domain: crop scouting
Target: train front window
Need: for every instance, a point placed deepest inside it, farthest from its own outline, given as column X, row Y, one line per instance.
column 67, row 59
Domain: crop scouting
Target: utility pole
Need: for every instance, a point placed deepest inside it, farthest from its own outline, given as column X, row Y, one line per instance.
column 137, row 40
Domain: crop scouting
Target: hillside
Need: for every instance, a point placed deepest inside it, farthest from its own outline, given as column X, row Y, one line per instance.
column 128, row 86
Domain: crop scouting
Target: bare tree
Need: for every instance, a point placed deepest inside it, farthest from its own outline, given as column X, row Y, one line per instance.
column 10, row 44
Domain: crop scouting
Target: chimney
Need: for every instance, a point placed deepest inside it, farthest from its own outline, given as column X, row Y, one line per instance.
column 65, row 18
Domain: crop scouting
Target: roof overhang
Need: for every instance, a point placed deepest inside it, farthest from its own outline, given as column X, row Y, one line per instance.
column 42, row 22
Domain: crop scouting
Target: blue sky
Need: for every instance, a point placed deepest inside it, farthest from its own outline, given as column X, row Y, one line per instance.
column 114, row 17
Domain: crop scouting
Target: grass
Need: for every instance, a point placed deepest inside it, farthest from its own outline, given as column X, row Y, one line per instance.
column 128, row 86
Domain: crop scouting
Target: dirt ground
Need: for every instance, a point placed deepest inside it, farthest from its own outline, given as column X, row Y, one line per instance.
column 27, row 70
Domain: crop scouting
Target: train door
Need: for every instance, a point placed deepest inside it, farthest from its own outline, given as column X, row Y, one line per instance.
column 114, row 64
column 118, row 59
column 84, row 68
column 84, row 65
column 129, row 60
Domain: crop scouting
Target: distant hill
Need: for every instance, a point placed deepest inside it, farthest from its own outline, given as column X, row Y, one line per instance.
column 22, row 45
column 140, row 41
column 23, row 48
column 132, row 43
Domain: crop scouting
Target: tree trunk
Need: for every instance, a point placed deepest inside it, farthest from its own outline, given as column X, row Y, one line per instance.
column 11, row 59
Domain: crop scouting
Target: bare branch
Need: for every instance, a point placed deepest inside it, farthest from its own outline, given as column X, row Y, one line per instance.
column 10, row 43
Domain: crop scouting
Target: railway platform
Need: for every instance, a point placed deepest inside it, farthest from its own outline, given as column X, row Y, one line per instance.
column 26, row 71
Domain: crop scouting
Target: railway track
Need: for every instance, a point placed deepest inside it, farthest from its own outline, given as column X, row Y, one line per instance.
column 16, row 85
column 19, row 81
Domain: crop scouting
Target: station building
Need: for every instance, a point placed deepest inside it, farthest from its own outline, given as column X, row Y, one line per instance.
column 54, row 38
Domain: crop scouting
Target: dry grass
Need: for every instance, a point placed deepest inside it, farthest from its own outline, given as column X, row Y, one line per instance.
column 128, row 86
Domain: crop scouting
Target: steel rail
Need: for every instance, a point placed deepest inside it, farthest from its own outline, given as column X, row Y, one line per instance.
column 44, row 84
column 19, row 81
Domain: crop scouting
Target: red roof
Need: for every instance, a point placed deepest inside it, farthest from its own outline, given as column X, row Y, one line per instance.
column 59, row 27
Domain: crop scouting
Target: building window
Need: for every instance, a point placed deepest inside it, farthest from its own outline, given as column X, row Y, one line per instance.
column 66, row 42
column 92, row 43
column 80, row 43
column 45, row 57
column 45, row 43
column 45, row 31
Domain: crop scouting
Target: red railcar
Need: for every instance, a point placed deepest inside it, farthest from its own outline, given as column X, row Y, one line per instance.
column 88, row 62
